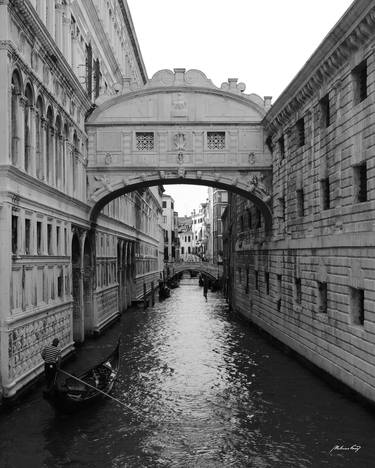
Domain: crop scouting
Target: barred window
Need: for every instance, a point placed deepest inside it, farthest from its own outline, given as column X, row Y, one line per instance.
column 359, row 74
column 281, row 142
column 322, row 297
column 325, row 111
column 360, row 182
column 357, row 306
column 300, row 125
column 145, row 141
column 325, row 193
column 300, row 202
column 216, row 140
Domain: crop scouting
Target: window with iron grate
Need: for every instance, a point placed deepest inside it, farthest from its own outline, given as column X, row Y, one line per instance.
column 297, row 290
column 325, row 111
column 145, row 141
column 359, row 74
column 360, row 182
column 300, row 202
column 357, row 306
column 300, row 126
column 281, row 142
column 322, row 288
column 215, row 140
column 267, row 281
column 325, row 195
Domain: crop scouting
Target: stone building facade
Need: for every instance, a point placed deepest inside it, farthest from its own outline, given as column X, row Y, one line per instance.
column 61, row 275
column 310, row 281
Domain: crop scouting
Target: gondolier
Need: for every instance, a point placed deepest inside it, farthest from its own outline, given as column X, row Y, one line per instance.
column 51, row 355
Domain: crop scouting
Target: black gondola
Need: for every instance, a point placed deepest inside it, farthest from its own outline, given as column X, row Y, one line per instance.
column 78, row 391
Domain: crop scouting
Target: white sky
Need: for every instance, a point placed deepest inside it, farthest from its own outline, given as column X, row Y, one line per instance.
column 263, row 43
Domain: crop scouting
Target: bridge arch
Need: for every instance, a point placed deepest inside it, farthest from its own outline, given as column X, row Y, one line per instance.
column 180, row 129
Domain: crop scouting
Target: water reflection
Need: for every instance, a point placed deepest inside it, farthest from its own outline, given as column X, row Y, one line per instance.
column 206, row 392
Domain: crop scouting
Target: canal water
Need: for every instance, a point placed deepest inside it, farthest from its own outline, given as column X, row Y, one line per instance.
column 205, row 390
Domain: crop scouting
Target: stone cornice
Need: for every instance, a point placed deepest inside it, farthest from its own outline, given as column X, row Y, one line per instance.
column 13, row 173
column 133, row 39
column 52, row 53
column 351, row 32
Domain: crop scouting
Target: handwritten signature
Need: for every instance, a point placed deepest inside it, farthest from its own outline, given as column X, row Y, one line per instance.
column 352, row 448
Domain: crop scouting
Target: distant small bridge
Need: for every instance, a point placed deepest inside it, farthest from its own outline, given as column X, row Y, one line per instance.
column 206, row 268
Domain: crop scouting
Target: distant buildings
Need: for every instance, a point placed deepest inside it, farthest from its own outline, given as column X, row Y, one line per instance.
column 170, row 227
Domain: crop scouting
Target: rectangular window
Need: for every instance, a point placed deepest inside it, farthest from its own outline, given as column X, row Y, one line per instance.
column 216, row 140
column 58, row 240
column 279, row 291
column 256, row 280
column 267, row 281
column 27, row 236
column 239, row 275
column 359, row 74
column 145, row 141
column 357, row 306
column 325, row 111
column 324, row 194
column 164, row 204
column 298, row 290
column 281, row 143
column 247, row 281
column 60, row 283
column 360, row 183
column 49, row 239
column 14, row 234
column 39, row 237
column 249, row 220
column 282, row 208
column 259, row 218
column 322, row 298
column 300, row 202
column 300, row 127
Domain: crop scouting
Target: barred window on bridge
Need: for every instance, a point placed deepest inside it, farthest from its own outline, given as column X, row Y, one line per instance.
column 216, row 140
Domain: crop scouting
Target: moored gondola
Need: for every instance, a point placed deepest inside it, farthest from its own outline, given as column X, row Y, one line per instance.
column 78, row 391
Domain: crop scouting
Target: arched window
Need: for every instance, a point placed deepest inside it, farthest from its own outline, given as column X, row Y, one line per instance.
column 39, row 139
column 58, row 152
column 49, row 148
column 27, row 118
column 15, row 130
column 64, row 153
column 75, row 162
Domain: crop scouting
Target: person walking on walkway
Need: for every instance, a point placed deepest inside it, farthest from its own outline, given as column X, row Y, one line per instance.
column 205, row 288
column 51, row 355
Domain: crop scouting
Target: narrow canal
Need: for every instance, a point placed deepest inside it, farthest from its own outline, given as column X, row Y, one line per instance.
column 207, row 391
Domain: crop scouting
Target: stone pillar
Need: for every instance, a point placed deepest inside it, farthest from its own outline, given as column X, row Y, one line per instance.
column 66, row 36
column 32, row 140
column 50, row 16
column 43, row 149
column 59, row 24
column 21, row 132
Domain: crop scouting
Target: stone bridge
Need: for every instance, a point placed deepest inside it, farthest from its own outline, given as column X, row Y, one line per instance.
column 209, row 269
column 180, row 129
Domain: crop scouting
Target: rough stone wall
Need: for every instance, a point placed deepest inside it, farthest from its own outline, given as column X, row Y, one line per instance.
column 311, row 282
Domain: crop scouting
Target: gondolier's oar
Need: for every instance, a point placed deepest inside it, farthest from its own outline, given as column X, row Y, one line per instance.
column 100, row 391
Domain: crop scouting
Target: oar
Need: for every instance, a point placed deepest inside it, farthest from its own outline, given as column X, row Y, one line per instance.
column 100, row 391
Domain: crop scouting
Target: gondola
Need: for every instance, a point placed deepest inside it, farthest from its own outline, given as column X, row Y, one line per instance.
column 78, row 391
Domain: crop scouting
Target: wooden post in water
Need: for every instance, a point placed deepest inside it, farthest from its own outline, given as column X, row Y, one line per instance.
column 152, row 293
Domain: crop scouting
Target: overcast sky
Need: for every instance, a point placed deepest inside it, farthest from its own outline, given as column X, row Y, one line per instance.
column 263, row 43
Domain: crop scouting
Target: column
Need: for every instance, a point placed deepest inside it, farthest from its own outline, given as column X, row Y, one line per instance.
column 22, row 102
column 43, row 149
column 50, row 17
column 59, row 24
column 32, row 140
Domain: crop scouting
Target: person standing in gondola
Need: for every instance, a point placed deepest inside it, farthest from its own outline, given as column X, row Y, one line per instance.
column 51, row 355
